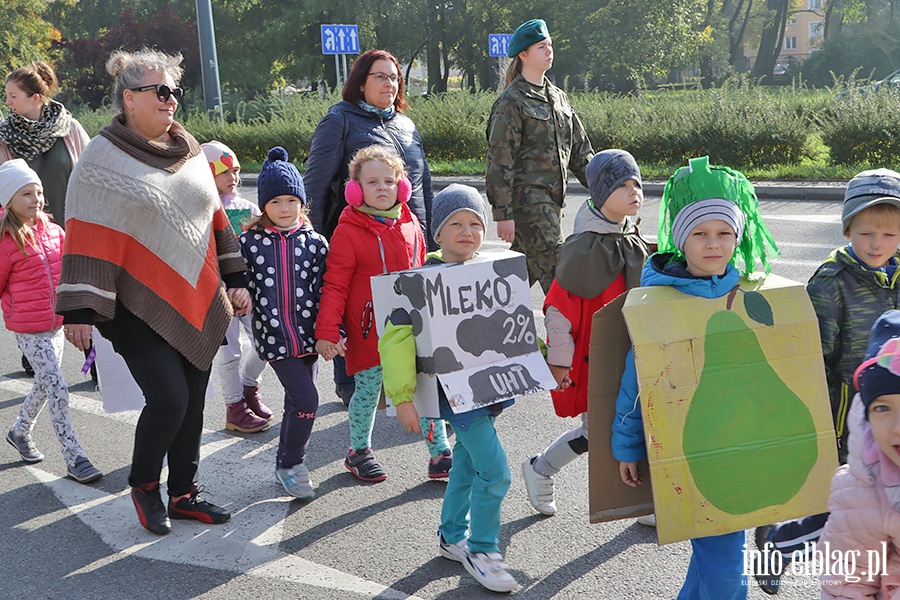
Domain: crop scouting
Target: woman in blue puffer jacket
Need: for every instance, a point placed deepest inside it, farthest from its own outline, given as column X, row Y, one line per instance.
column 370, row 113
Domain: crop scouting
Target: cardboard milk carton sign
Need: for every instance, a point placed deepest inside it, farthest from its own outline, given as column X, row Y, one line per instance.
column 474, row 329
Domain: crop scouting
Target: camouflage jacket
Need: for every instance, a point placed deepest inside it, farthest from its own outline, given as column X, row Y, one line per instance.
column 531, row 142
column 847, row 299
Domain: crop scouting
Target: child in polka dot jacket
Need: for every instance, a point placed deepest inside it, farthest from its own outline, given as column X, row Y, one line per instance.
column 285, row 265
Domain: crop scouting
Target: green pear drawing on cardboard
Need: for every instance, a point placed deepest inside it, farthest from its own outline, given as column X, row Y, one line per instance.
column 745, row 428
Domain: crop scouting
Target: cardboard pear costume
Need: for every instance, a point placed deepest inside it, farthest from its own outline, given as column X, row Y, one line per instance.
column 732, row 389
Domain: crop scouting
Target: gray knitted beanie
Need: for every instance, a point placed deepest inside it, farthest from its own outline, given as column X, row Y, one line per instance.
column 452, row 199
column 607, row 171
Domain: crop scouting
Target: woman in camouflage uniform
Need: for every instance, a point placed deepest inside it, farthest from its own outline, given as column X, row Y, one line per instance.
column 533, row 137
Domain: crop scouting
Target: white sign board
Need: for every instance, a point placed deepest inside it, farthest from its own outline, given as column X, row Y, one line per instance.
column 474, row 329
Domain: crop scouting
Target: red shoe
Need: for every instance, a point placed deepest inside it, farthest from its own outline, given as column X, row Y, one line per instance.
column 239, row 417
column 254, row 402
column 192, row 507
column 150, row 509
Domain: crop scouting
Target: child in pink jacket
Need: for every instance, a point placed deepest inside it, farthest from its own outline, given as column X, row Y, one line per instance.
column 30, row 265
column 862, row 534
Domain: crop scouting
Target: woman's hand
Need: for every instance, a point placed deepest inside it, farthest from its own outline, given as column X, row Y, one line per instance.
column 240, row 300
column 628, row 471
column 408, row 417
column 79, row 335
column 506, row 230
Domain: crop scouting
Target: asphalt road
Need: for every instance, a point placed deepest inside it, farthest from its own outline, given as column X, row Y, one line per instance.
column 60, row 539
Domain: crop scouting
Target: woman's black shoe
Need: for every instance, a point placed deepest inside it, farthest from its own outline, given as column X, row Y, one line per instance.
column 150, row 508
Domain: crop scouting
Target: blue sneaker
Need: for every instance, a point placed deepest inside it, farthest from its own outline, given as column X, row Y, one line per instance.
column 83, row 471
column 440, row 468
column 767, row 576
column 296, row 482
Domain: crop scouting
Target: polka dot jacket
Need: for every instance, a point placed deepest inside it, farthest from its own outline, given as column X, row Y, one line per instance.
column 284, row 272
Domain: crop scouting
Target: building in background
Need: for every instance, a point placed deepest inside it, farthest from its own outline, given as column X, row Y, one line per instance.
column 803, row 32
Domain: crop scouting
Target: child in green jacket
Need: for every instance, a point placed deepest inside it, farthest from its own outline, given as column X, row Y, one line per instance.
column 479, row 478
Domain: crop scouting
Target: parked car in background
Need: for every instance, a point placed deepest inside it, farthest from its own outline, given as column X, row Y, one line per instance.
column 891, row 81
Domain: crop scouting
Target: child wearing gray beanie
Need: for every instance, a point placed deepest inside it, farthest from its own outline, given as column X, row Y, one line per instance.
column 601, row 260
column 452, row 199
column 470, row 513
column 849, row 291
column 608, row 170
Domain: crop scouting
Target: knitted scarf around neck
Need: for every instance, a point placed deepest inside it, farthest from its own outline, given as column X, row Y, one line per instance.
column 384, row 113
column 384, row 216
column 169, row 156
column 28, row 139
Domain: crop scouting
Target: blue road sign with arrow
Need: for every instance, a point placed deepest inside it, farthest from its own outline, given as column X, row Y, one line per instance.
column 498, row 43
column 340, row 39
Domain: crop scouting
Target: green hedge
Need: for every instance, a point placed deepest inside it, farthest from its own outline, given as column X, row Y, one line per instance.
column 741, row 125
column 864, row 127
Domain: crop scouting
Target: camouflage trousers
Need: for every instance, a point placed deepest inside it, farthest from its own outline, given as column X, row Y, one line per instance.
column 539, row 238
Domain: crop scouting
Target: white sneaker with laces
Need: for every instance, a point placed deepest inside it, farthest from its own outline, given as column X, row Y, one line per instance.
column 490, row 571
column 539, row 488
column 456, row 552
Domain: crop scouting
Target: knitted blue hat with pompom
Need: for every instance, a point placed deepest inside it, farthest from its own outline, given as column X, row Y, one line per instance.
column 279, row 177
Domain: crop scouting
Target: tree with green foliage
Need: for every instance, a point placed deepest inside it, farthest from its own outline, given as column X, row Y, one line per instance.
column 637, row 38
column 82, row 65
column 26, row 36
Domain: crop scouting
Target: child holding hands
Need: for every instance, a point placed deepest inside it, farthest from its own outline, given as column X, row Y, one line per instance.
column 479, row 480
column 377, row 233
column 285, row 263
column 708, row 215
column 602, row 259
column 245, row 411
column 30, row 265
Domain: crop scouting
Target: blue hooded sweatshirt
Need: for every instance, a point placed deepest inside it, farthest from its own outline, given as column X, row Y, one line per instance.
column 628, row 429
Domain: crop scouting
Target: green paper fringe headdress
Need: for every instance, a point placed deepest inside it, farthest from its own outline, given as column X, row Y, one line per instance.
column 700, row 181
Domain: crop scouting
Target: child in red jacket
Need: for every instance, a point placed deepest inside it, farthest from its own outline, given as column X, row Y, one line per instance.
column 30, row 264
column 601, row 260
column 376, row 233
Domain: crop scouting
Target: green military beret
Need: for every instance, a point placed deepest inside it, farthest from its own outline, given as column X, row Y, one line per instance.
column 528, row 33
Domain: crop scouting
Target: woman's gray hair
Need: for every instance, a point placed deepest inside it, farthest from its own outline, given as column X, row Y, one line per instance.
column 130, row 68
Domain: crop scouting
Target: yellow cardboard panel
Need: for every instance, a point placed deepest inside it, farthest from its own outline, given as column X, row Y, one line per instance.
column 736, row 413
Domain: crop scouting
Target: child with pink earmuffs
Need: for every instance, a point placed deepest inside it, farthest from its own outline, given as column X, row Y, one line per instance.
column 377, row 233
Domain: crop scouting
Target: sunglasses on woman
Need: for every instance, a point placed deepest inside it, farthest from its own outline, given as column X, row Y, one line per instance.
column 163, row 92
